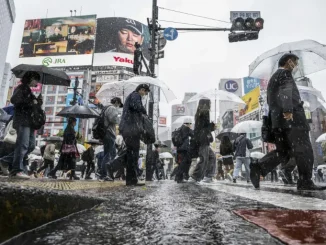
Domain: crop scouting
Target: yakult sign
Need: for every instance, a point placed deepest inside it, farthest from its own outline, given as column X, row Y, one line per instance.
column 231, row 85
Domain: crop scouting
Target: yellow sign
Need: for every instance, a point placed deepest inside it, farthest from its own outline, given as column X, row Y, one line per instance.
column 252, row 101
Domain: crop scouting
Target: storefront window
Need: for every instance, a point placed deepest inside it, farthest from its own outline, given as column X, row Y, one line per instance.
column 51, row 89
column 49, row 111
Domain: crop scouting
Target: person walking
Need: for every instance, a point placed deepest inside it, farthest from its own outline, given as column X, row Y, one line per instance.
column 156, row 162
column 226, row 150
column 241, row 146
column 183, row 151
column 48, row 156
column 68, row 151
column 89, row 158
column 23, row 99
column 130, row 129
column 202, row 138
column 288, row 126
column 111, row 119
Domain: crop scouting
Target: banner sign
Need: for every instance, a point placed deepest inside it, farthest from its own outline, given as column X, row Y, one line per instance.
column 250, row 83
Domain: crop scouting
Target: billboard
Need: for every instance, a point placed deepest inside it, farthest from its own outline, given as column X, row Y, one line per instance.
column 252, row 101
column 250, row 83
column 59, row 42
column 231, row 85
column 115, row 41
column 162, row 121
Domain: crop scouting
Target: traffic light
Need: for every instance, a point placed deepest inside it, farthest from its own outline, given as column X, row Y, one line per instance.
column 137, row 66
column 247, row 24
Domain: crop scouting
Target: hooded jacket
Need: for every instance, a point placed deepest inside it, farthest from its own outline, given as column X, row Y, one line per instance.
column 111, row 119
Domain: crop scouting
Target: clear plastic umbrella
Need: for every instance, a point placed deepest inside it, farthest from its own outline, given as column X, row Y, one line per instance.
column 182, row 119
column 247, row 127
column 311, row 53
column 230, row 100
column 113, row 89
column 312, row 96
column 166, row 155
column 167, row 92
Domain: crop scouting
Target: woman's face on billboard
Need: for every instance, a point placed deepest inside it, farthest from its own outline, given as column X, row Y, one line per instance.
column 128, row 39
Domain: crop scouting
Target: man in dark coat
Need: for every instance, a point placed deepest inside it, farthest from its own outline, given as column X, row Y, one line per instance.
column 184, row 152
column 23, row 100
column 289, row 127
column 130, row 129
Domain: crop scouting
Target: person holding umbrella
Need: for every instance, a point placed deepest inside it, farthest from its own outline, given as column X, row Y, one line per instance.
column 287, row 127
column 68, row 151
column 129, row 127
column 226, row 150
column 23, row 100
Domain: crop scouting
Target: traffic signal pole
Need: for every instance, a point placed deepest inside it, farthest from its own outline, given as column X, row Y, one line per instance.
column 149, row 162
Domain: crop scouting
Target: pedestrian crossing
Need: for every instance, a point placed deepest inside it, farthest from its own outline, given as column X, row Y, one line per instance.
column 278, row 195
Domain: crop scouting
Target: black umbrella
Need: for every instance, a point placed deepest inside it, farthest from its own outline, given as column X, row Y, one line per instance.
column 227, row 132
column 78, row 111
column 53, row 139
column 94, row 142
column 48, row 75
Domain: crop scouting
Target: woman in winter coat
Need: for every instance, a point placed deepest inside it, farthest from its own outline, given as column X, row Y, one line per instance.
column 203, row 137
column 226, row 150
column 67, row 161
column 23, row 99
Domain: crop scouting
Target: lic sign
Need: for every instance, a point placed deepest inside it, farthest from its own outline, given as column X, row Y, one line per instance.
column 231, row 86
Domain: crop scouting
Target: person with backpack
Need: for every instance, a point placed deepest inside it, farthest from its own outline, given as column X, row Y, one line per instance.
column 183, row 150
column 226, row 150
column 24, row 100
column 48, row 156
column 111, row 119
column 131, row 130
column 241, row 147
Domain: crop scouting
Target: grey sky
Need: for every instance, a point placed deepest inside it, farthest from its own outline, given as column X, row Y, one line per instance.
column 196, row 61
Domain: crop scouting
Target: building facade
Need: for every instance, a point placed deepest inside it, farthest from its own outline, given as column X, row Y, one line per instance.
column 7, row 18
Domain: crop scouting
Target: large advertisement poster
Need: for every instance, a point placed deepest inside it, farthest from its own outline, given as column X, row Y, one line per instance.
column 59, row 42
column 115, row 41
column 252, row 101
column 250, row 83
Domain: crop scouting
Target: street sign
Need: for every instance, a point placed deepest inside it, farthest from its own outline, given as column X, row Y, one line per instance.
column 170, row 34
column 244, row 15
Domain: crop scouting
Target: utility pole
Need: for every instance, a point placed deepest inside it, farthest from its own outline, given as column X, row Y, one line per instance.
column 149, row 155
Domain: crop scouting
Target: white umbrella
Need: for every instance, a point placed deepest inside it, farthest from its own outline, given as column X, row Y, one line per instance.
column 312, row 58
column 321, row 104
column 113, row 89
column 81, row 148
column 166, row 155
column 181, row 119
column 247, row 127
column 36, row 151
column 321, row 138
column 168, row 94
column 215, row 96
column 312, row 96
column 257, row 155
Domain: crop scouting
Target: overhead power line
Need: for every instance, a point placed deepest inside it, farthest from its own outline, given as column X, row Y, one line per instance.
column 199, row 16
column 185, row 23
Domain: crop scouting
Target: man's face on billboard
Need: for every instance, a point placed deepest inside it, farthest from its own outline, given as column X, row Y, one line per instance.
column 128, row 39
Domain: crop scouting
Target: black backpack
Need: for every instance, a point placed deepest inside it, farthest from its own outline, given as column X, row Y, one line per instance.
column 177, row 139
column 38, row 117
column 98, row 128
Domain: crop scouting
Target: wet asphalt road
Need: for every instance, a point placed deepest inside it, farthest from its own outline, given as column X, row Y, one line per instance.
column 160, row 213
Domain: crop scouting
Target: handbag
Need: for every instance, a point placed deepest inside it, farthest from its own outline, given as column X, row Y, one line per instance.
column 69, row 149
column 38, row 117
column 10, row 134
column 147, row 133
